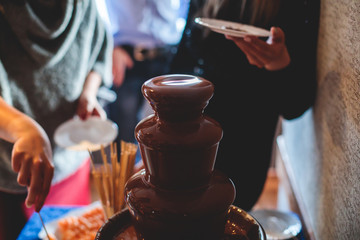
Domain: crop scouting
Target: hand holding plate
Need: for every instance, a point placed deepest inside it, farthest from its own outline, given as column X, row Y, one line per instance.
column 271, row 55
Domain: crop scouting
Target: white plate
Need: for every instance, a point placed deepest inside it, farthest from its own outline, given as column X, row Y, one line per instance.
column 277, row 224
column 76, row 134
column 232, row 28
column 52, row 226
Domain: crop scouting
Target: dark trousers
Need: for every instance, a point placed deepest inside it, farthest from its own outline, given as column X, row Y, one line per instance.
column 12, row 216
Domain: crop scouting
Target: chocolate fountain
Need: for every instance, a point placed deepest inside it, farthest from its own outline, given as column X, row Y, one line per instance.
column 179, row 195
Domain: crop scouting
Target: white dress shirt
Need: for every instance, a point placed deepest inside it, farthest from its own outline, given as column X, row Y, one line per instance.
column 146, row 23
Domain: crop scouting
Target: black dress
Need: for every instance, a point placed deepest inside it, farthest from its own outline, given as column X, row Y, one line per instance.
column 248, row 101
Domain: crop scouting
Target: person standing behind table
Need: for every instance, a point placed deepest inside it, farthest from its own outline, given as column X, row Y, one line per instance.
column 53, row 57
column 145, row 33
column 256, row 79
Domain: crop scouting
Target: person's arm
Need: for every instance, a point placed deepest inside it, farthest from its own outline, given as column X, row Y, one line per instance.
column 31, row 155
column 121, row 62
column 88, row 104
column 99, row 72
column 295, row 85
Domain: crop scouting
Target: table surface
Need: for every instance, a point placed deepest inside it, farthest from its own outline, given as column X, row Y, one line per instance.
column 48, row 214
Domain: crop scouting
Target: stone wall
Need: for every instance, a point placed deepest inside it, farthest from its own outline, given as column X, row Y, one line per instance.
column 324, row 144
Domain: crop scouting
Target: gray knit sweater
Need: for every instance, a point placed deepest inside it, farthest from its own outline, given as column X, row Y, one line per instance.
column 47, row 48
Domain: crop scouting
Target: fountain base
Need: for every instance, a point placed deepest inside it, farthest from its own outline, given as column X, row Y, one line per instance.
column 240, row 225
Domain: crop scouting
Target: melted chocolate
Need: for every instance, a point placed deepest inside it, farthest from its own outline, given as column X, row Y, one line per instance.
column 179, row 191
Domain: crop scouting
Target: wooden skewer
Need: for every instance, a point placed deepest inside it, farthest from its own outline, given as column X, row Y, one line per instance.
column 99, row 186
column 123, row 171
column 104, row 158
column 108, row 192
column 114, row 177
column 118, row 194
column 109, row 182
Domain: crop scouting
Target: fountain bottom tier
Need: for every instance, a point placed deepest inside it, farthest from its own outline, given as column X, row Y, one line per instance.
column 192, row 213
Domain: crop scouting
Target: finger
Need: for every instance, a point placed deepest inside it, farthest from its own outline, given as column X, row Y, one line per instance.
column 25, row 171
column 81, row 110
column 239, row 42
column 86, row 111
column 82, row 115
column 35, row 187
column 252, row 55
column 48, row 175
column 278, row 35
column 100, row 112
column 236, row 40
column 258, row 45
column 252, row 59
column 233, row 38
column 17, row 158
